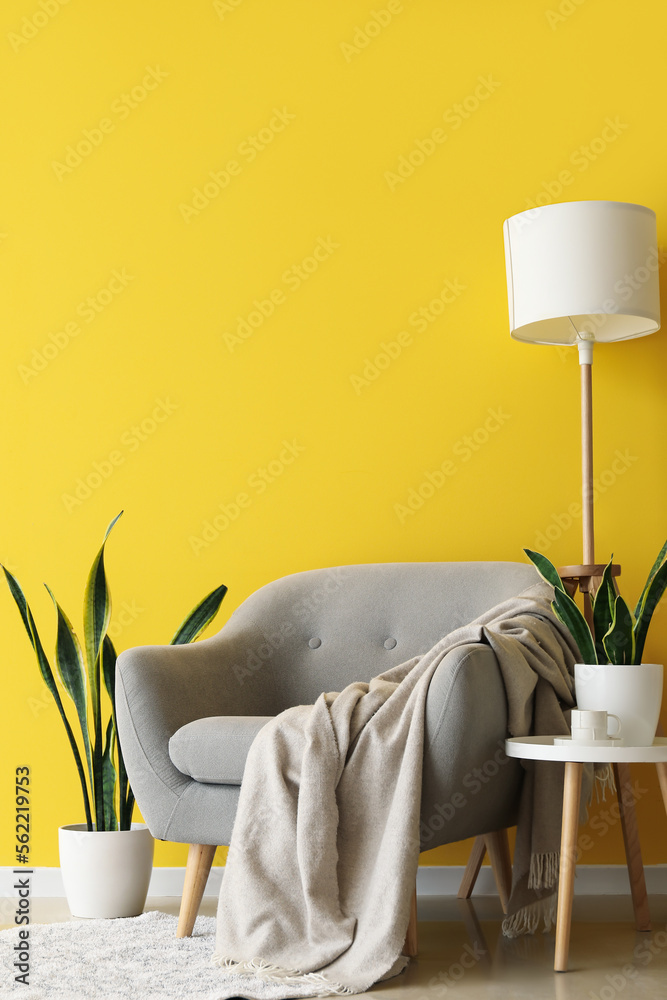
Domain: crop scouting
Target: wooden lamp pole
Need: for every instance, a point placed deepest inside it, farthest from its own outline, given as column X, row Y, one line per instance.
column 587, row 454
column 587, row 576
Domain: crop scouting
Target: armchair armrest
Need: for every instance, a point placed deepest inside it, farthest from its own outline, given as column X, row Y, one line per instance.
column 469, row 785
column 161, row 688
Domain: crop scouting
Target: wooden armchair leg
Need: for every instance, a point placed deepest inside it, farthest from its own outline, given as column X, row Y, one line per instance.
column 498, row 848
column 200, row 859
column 472, row 868
column 410, row 946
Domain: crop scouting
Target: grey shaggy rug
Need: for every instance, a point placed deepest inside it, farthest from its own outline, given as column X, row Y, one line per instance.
column 133, row 958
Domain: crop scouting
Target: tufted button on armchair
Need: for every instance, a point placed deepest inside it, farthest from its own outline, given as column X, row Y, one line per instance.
column 188, row 714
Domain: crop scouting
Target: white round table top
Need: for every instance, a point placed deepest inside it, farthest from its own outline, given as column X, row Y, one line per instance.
column 542, row 748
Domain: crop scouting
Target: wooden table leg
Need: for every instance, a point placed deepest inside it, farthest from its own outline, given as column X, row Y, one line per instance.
column 662, row 770
column 633, row 851
column 568, row 861
column 662, row 778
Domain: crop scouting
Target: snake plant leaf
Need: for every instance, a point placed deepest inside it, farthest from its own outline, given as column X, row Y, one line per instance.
column 47, row 675
column 546, row 569
column 654, row 569
column 567, row 611
column 96, row 606
column 619, row 642
column 96, row 617
column 202, row 615
column 653, row 597
column 69, row 661
column 19, row 598
column 109, row 779
column 31, row 629
column 97, row 748
column 603, row 611
column 127, row 808
column 658, row 562
column 109, row 658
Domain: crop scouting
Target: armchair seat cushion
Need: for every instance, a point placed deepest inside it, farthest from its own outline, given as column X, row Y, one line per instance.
column 214, row 750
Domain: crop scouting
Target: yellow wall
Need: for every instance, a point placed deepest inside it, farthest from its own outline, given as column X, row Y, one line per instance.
column 342, row 105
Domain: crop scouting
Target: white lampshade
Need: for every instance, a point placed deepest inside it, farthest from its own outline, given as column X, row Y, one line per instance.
column 582, row 270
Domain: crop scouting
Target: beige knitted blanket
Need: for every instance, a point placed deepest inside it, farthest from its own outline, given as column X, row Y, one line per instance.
column 325, row 845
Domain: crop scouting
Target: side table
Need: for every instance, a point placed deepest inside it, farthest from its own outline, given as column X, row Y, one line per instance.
column 575, row 756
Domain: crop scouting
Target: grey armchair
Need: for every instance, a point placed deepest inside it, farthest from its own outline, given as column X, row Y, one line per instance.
column 187, row 714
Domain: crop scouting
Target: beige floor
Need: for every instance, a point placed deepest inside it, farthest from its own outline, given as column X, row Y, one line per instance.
column 464, row 955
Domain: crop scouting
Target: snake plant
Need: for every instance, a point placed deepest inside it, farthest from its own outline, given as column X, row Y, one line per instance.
column 107, row 796
column 619, row 634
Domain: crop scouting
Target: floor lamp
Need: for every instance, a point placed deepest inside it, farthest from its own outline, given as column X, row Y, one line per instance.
column 577, row 273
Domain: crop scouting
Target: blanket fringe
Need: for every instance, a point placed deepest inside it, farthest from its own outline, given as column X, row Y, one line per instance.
column 286, row 977
column 543, row 872
column 528, row 919
column 604, row 782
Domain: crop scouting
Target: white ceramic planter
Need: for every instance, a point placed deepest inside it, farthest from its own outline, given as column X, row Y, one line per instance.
column 106, row 874
column 632, row 692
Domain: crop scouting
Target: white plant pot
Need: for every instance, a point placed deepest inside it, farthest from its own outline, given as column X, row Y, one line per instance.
column 632, row 692
column 106, row 874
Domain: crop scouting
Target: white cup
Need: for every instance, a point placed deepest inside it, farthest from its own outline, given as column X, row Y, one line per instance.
column 588, row 725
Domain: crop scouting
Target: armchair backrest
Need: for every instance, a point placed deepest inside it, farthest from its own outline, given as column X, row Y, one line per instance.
column 322, row 629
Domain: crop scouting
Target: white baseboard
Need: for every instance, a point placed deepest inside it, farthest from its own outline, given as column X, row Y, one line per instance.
column 592, row 880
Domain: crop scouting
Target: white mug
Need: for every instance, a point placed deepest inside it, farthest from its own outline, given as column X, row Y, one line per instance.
column 589, row 725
